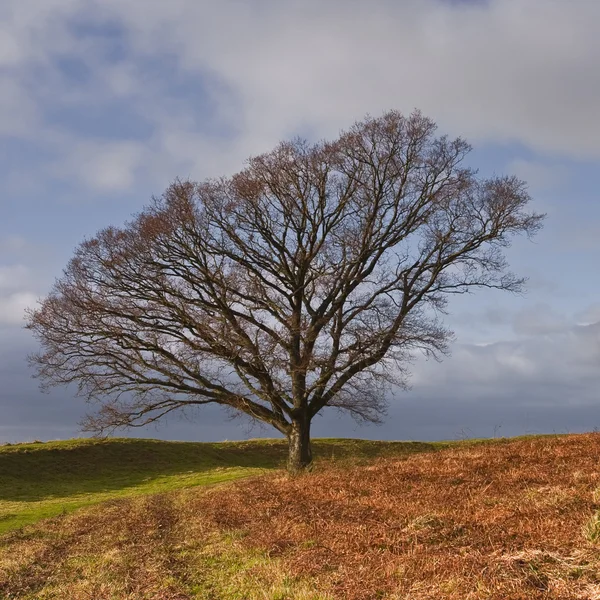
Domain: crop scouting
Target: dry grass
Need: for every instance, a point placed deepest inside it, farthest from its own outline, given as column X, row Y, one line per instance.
column 40, row 480
column 502, row 521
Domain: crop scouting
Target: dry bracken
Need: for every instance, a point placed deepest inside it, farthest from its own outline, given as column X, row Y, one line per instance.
column 502, row 521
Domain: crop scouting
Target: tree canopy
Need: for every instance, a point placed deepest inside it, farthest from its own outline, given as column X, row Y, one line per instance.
column 307, row 280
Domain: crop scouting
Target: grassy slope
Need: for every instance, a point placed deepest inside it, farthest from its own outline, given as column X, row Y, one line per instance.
column 41, row 480
column 517, row 520
column 514, row 520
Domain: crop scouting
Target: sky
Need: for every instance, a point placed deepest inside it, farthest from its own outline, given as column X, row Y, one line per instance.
column 105, row 102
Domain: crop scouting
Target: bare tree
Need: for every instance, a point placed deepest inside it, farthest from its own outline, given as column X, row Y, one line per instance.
column 307, row 280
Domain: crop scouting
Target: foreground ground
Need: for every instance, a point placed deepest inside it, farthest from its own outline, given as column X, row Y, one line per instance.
column 512, row 520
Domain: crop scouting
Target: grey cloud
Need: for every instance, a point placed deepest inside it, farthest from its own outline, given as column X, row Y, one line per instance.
column 539, row 319
column 489, row 72
column 26, row 413
column 565, row 358
column 483, row 318
column 498, row 71
column 589, row 315
column 540, row 283
column 541, row 384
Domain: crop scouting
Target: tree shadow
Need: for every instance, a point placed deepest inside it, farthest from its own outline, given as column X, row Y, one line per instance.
column 44, row 471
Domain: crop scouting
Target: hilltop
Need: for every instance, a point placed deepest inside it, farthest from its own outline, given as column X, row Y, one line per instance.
column 44, row 479
column 517, row 519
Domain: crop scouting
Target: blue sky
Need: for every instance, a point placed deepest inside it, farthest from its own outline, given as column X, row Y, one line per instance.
column 105, row 102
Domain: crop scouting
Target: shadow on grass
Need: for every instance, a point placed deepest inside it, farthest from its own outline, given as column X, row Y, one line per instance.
column 42, row 471
column 35, row 472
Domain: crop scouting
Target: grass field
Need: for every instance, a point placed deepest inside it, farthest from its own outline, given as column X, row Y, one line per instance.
column 513, row 520
column 41, row 480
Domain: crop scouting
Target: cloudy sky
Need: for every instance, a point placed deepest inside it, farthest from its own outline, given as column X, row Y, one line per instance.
column 104, row 102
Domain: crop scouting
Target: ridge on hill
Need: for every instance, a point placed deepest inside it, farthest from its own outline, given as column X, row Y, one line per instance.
column 44, row 479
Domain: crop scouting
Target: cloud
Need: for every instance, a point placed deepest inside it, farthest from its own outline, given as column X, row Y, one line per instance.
column 18, row 283
column 13, row 276
column 589, row 316
column 540, row 176
column 499, row 71
column 562, row 357
column 539, row 319
column 12, row 307
column 19, row 113
column 102, row 166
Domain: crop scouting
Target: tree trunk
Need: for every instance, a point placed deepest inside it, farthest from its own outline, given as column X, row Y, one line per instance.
column 300, row 453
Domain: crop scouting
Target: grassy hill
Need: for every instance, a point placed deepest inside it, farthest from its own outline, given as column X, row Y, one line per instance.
column 517, row 519
column 42, row 480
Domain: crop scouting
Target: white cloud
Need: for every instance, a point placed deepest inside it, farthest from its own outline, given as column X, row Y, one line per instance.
column 16, row 283
column 13, row 276
column 562, row 358
column 111, row 166
column 12, row 307
column 506, row 70
column 503, row 70
column 101, row 165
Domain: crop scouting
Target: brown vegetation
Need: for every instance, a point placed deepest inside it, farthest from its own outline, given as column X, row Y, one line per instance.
column 513, row 520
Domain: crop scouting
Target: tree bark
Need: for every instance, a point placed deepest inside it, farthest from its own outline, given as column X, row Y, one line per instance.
column 300, row 452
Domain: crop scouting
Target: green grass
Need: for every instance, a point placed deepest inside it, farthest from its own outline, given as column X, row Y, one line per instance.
column 41, row 480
